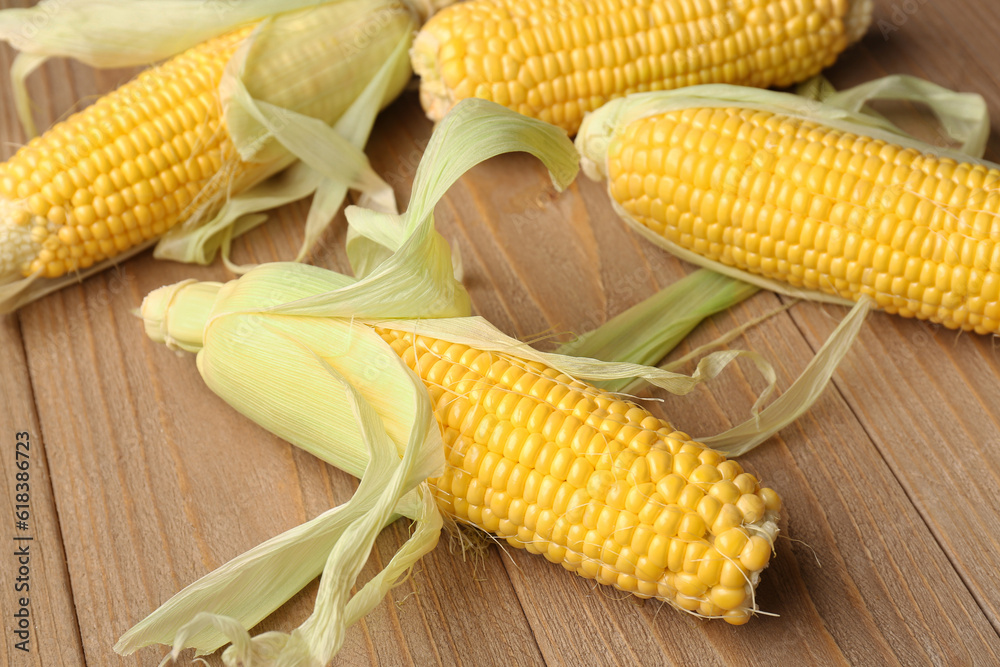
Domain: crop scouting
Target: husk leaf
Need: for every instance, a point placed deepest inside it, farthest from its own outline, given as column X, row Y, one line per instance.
column 265, row 131
column 802, row 393
column 373, row 237
column 251, row 586
column 645, row 333
column 24, row 64
column 964, row 117
column 240, row 213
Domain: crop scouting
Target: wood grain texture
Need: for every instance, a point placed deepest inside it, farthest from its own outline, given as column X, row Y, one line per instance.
column 45, row 586
column 890, row 540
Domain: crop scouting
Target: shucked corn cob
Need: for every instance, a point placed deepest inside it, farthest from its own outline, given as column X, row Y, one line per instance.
column 123, row 171
column 558, row 59
column 158, row 151
column 787, row 198
column 555, row 466
column 594, row 483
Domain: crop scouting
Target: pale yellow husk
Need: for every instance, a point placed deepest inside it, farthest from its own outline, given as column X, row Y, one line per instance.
column 293, row 347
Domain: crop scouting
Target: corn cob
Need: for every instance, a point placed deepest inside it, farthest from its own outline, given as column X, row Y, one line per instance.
column 121, row 172
column 556, row 466
column 158, row 151
column 555, row 60
column 357, row 372
column 591, row 482
column 815, row 207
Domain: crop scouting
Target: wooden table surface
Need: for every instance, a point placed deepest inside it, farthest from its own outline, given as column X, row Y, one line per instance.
column 142, row 480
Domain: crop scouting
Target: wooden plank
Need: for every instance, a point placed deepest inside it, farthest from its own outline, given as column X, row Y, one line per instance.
column 928, row 401
column 34, row 582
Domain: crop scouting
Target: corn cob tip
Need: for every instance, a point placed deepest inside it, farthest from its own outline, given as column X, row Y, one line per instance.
column 595, row 134
column 175, row 315
column 153, row 311
column 20, row 241
column 435, row 97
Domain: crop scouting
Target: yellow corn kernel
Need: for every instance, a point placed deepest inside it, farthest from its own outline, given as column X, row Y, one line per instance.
column 725, row 491
column 752, row 507
column 756, row 553
column 728, row 598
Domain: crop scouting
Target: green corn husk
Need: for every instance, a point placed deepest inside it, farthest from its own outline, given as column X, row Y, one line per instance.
column 307, row 84
column 647, row 332
column 293, row 347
